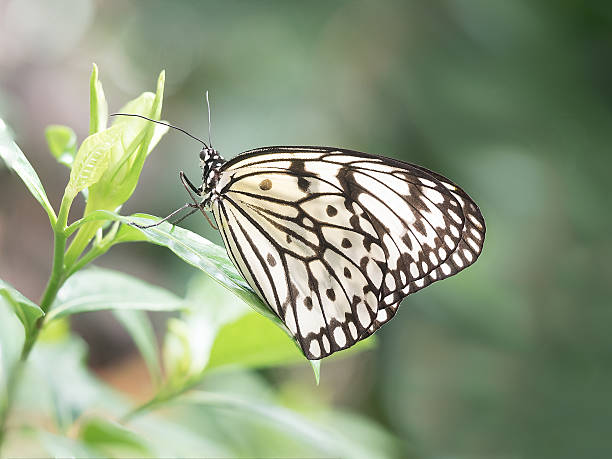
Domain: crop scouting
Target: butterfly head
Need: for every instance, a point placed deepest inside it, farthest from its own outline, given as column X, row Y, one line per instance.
column 210, row 162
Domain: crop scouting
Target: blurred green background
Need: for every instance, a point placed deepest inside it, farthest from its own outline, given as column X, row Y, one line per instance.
column 511, row 99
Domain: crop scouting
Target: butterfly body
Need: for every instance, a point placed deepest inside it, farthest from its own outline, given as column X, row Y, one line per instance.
column 210, row 163
column 332, row 239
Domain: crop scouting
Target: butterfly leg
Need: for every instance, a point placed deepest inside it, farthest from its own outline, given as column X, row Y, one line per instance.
column 194, row 208
column 191, row 212
column 190, row 186
column 191, row 189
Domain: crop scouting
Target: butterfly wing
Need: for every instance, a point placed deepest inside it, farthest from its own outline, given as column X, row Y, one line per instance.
column 466, row 253
column 333, row 239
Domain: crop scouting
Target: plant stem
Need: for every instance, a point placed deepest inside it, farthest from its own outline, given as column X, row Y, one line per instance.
column 57, row 271
column 56, row 279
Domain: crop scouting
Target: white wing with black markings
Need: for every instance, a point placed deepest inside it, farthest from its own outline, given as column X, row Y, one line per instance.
column 332, row 240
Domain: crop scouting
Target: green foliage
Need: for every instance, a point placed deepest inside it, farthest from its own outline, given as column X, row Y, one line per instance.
column 14, row 158
column 110, row 161
column 27, row 311
column 98, row 107
column 128, row 152
column 235, row 345
column 98, row 289
column 60, row 446
column 42, row 364
column 111, row 438
column 62, row 143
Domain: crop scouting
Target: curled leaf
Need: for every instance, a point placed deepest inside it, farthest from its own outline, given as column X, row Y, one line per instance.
column 98, row 108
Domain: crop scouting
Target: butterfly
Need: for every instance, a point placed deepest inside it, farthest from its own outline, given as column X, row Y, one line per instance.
column 333, row 239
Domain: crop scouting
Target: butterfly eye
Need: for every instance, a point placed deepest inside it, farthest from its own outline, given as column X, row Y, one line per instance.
column 203, row 154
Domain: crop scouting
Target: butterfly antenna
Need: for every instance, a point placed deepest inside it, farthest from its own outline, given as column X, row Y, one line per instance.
column 164, row 124
column 208, row 105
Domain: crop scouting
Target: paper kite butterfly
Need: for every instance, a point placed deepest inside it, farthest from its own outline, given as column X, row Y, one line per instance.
column 331, row 239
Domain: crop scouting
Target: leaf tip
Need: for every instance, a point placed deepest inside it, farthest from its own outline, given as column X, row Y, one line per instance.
column 161, row 81
column 316, row 368
column 94, row 71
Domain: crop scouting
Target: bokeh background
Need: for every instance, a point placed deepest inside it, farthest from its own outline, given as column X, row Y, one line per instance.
column 511, row 99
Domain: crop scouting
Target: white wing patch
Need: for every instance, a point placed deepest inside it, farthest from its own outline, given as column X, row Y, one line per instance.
column 333, row 240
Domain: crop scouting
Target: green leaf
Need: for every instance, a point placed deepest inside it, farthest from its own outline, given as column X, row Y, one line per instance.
column 126, row 163
column 62, row 143
column 112, row 438
column 27, row 311
column 98, row 108
column 126, row 160
column 97, row 289
column 139, row 326
column 253, row 341
column 16, row 161
column 92, row 160
column 59, row 446
column 201, row 253
column 134, row 127
column 316, row 368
